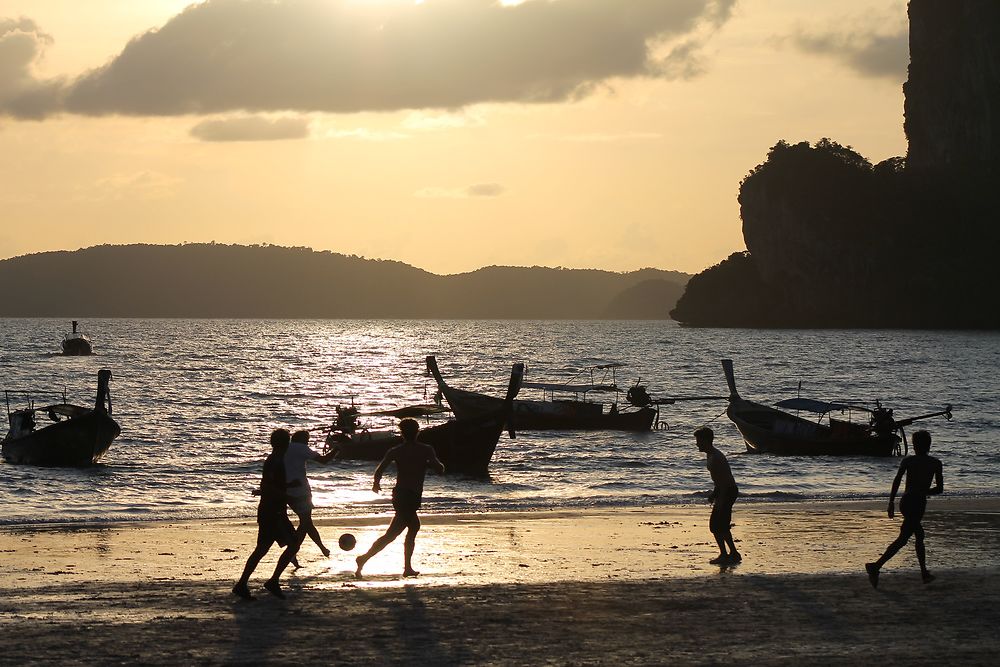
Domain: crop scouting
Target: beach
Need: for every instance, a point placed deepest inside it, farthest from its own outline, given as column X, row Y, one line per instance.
column 567, row 587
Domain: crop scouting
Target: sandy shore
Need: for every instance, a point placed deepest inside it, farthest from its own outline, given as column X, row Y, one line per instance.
column 630, row 586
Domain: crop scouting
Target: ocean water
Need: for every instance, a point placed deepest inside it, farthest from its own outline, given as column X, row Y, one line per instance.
column 196, row 400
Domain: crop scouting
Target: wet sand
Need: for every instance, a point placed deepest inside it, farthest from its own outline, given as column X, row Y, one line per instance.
column 629, row 586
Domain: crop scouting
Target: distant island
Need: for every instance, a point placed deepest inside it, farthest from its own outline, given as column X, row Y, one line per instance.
column 205, row 280
column 836, row 241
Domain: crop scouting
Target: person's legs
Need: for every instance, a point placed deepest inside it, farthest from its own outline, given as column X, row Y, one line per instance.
column 728, row 534
column 242, row 588
column 722, row 513
column 922, row 554
column 411, row 540
column 905, row 531
column 303, row 509
column 396, row 527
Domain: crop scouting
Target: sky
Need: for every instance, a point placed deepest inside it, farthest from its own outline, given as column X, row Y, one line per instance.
column 447, row 134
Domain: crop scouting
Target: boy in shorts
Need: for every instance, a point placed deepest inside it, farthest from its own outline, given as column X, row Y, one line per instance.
column 412, row 459
column 920, row 469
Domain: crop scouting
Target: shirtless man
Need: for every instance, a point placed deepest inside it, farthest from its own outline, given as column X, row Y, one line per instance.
column 722, row 497
column 412, row 459
column 920, row 469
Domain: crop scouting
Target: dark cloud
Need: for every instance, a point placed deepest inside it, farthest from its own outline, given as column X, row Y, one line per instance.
column 339, row 56
column 867, row 52
column 251, row 128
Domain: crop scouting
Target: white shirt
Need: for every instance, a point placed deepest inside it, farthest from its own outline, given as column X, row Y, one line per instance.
column 295, row 467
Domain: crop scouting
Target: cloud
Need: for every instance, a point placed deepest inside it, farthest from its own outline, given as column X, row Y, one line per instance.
column 251, row 128
column 876, row 46
column 343, row 56
column 22, row 45
column 477, row 190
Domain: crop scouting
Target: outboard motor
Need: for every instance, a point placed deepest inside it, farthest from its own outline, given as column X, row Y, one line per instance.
column 638, row 396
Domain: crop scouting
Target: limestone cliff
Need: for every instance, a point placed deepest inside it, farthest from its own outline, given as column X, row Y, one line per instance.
column 835, row 241
column 953, row 90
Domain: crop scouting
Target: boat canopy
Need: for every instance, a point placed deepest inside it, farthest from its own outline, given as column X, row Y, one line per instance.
column 571, row 388
column 818, row 407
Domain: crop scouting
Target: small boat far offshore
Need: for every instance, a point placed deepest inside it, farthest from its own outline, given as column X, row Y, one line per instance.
column 77, row 344
column 772, row 431
column 79, row 436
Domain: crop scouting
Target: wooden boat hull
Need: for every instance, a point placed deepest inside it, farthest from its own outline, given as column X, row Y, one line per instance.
column 80, row 441
column 551, row 415
column 77, row 347
column 548, row 416
column 770, row 431
column 463, row 446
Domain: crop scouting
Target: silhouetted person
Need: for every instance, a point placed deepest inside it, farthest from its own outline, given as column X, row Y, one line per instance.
column 920, row 469
column 722, row 497
column 300, row 496
column 273, row 524
column 412, row 459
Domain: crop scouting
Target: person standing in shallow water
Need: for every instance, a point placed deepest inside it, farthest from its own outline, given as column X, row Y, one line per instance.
column 412, row 459
column 920, row 469
column 273, row 524
column 722, row 497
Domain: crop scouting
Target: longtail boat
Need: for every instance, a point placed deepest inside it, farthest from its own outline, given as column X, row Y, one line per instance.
column 770, row 430
column 77, row 436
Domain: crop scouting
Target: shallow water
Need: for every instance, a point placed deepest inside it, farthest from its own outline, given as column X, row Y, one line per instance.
column 197, row 398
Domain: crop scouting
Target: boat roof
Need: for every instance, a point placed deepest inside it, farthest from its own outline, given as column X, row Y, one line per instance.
column 571, row 388
column 818, row 407
column 62, row 409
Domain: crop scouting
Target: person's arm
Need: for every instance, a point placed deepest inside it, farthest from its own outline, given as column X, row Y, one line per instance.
column 433, row 461
column 895, row 488
column 938, row 487
column 377, row 484
column 713, row 494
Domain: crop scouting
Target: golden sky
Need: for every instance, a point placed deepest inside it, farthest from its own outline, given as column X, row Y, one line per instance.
column 448, row 134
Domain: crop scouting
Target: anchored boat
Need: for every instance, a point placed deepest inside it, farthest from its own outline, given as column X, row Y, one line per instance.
column 773, row 431
column 464, row 445
column 77, row 343
column 553, row 413
column 76, row 436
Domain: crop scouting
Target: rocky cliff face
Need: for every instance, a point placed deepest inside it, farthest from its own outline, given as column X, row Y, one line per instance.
column 953, row 91
column 834, row 241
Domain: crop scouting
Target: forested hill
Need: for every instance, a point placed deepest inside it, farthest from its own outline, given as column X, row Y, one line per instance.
column 213, row 280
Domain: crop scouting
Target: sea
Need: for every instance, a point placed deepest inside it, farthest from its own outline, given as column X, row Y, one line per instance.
column 197, row 399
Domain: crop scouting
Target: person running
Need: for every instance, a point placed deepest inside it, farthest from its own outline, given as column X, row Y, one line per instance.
column 722, row 497
column 300, row 495
column 273, row 524
column 412, row 459
column 920, row 469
